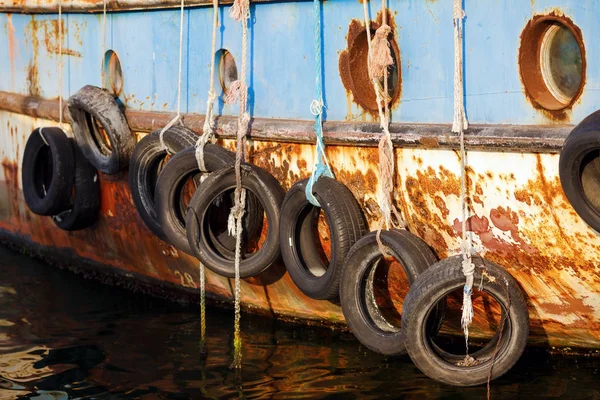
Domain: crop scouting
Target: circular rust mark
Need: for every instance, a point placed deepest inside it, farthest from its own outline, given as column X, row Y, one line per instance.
column 534, row 41
column 353, row 65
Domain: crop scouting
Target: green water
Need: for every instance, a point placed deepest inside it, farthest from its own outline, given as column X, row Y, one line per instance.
column 64, row 337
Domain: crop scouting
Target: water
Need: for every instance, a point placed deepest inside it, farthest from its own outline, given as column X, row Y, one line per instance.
column 62, row 336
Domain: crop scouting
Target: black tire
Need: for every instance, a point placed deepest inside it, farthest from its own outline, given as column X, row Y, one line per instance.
column 171, row 210
column 85, row 203
column 303, row 257
column 47, row 171
column 269, row 193
column 579, row 169
column 91, row 107
column 146, row 163
column 365, row 320
column 436, row 283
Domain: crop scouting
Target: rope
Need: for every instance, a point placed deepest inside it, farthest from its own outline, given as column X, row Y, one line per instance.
column 459, row 126
column 103, row 72
column 239, row 11
column 379, row 60
column 208, row 130
column 321, row 167
column 177, row 117
column 60, row 66
column 202, row 310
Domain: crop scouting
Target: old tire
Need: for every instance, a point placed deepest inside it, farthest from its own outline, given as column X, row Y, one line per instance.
column 267, row 191
column 47, row 171
column 302, row 255
column 100, row 129
column 579, row 169
column 146, row 163
column 85, row 202
column 366, row 322
column 436, row 283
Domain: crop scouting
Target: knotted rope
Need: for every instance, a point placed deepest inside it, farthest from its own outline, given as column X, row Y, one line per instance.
column 60, row 66
column 239, row 11
column 379, row 60
column 208, row 130
column 207, row 133
column 177, row 117
column 321, row 167
column 459, row 126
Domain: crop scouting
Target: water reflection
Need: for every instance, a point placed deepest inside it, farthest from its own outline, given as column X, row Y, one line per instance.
column 65, row 337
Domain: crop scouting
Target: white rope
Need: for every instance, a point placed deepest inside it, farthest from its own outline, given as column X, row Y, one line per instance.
column 60, row 65
column 459, row 126
column 386, row 149
column 177, row 117
column 239, row 11
column 103, row 71
column 208, row 130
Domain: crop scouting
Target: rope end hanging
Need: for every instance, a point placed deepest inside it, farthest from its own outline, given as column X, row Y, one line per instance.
column 235, row 92
column 381, row 53
column 240, row 9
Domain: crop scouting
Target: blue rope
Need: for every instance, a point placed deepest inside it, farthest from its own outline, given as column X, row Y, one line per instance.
column 316, row 108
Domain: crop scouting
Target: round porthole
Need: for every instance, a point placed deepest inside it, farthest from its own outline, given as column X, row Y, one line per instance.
column 226, row 68
column 113, row 75
column 552, row 62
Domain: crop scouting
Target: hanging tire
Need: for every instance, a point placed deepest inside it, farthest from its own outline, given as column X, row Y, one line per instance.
column 579, row 169
column 146, row 163
column 266, row 189
column 85, row 203
column 371, row 327
column 435, row 284
column 170, row 205
column 100, row 129
column 47, row 171
column 301, row 251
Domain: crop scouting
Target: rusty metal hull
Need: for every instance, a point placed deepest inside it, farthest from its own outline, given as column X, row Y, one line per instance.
column 521, row 220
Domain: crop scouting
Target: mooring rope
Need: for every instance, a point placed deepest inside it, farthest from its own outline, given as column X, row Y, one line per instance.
column 60, row 65
column 379, row 60
column 177, row 117
column 239, row 11
column 103, row 70
column 321, row 167
column 459, row 126
column 208, row 130
column 207, row 133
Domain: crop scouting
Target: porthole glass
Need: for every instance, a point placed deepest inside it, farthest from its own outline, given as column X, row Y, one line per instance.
column 561, row 63
column 112, row 73
column 227, row 68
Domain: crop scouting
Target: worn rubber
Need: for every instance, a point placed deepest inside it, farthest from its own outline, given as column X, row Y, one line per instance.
column 85, row 202
column 47, row 171
column 301, row 254
column 432, row 286
column 93, row 102
column 582, row 143
column 145, row 166
column 366, row 322
column 269, row 193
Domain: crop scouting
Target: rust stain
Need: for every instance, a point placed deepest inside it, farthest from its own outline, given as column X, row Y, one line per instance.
column 11, row 45
column 532, row 80
column 353, row 70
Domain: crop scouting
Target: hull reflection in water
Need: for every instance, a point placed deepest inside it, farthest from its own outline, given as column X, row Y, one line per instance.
column 64, row 337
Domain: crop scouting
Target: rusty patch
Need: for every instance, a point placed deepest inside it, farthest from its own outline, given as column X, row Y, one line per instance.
column 353, row 65
column 530, row 69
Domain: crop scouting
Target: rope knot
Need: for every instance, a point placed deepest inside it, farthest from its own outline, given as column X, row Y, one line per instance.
column 381, row 54
column 316, row 107
column 240, row 9
column 235, row 91
column 237, row 212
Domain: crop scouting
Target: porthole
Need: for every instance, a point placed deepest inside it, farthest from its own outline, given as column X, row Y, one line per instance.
column 552, row 62
column 112, row 73
column 227, row 69
column 353, row 66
